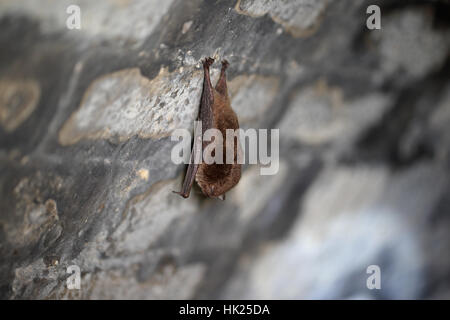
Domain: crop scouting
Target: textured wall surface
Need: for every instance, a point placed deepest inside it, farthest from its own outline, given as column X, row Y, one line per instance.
column 86, row 177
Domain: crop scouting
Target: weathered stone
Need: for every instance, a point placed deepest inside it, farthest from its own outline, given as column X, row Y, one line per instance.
column 105, row 19
column 18, row 99
column 86, row 176
column 320, row 114
column 351, row 219
column 125, row 103
column 299, row 17
column 410, row 45
column 251, row 96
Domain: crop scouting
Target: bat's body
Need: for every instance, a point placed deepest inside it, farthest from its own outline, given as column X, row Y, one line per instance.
column 215, row 112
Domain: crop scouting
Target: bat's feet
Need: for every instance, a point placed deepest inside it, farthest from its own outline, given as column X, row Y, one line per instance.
column 184, row 195
column 225, row 64
column 208, row 62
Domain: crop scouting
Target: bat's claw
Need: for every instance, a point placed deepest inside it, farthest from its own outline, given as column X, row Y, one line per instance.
column 184, row 195
column 225, row 64
column 208, row 62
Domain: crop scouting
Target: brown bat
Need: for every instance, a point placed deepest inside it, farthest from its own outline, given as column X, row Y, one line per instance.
column 215, row 112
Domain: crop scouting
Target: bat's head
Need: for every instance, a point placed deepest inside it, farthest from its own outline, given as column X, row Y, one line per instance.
column 211, row 190
column 216, row 179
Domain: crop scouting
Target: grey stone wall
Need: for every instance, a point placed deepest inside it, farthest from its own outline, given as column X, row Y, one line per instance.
column 86, row 177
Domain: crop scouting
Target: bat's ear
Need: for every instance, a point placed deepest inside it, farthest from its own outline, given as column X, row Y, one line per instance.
column 221, row 197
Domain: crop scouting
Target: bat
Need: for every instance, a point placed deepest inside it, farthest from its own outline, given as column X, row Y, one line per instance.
column 215, row 112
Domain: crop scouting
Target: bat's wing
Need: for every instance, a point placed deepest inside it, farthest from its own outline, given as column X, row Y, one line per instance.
column 206, row 116
column 194, row 162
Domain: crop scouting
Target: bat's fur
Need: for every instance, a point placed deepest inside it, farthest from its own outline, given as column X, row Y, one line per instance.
column 216, row 179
